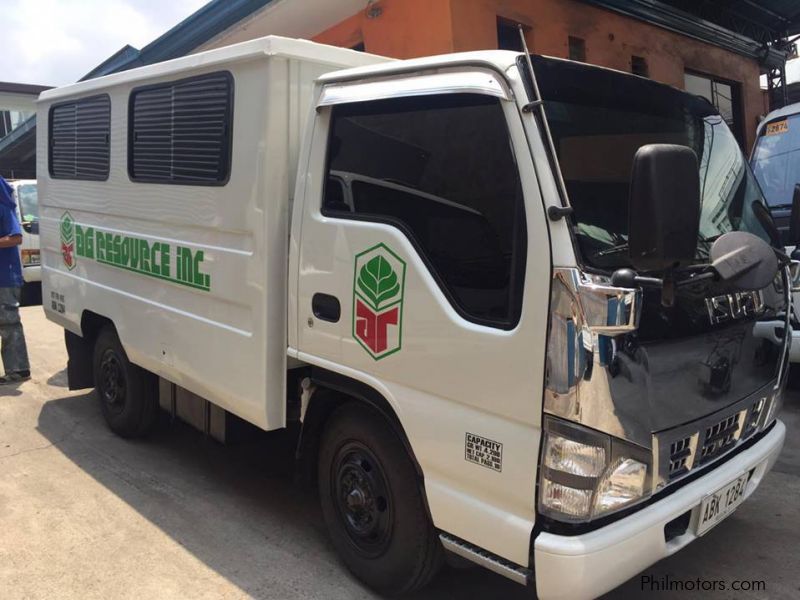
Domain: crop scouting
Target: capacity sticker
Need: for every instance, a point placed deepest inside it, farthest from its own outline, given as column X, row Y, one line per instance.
column 484, row 452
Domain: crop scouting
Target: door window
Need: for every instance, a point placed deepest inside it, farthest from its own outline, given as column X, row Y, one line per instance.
column 442, row 170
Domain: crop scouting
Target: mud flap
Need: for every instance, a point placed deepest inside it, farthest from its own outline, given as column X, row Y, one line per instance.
column 79, row 363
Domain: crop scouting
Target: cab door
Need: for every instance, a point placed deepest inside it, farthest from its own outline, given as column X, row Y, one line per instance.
column 423, row 272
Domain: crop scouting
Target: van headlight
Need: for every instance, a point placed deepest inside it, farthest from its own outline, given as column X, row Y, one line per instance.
column 586, row 474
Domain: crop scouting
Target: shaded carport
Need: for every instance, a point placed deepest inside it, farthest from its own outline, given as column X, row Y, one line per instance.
column 18, row 152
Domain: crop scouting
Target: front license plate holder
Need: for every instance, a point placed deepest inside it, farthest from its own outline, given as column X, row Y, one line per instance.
column 721, row 503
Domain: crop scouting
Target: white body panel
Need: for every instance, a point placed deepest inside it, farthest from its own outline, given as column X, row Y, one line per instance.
column 227, row 344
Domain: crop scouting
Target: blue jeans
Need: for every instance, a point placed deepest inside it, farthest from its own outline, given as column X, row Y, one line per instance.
column 12, row 339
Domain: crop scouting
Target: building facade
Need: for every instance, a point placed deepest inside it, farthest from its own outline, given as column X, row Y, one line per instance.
column 573, row 29
column 715, row 48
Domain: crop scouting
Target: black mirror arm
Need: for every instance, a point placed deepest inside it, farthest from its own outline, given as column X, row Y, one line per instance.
column 784, row 260
column 628, row 278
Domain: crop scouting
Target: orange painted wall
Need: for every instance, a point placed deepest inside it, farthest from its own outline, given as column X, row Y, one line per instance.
column 410, row 28
column 405, row 29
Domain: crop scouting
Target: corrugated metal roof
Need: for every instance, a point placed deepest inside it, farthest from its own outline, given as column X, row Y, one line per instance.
column 779, row 17
column 22, row 88
column 747, row 27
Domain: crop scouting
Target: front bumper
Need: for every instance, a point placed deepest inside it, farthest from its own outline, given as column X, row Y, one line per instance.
column 589, row 565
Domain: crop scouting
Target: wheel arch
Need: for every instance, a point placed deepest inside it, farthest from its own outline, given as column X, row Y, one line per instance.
column 331, row 391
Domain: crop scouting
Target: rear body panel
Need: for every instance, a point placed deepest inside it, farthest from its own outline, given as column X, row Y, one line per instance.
column 211, row 317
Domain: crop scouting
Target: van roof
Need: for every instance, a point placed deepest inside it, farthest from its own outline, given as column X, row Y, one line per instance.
column 271, row 45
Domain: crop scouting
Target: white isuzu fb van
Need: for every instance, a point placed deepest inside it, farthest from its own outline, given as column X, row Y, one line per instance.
column 511, row 315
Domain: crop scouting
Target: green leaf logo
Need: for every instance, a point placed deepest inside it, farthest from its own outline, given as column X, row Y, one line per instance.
column 67, row 228
column 378, row 281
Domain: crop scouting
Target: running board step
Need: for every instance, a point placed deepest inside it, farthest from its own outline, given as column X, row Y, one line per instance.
column 486, row 559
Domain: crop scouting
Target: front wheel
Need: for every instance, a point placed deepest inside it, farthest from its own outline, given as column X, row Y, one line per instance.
column 128, row 394
column 373, row 505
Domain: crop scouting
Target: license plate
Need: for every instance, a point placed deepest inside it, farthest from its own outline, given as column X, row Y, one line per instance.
column 721, row 503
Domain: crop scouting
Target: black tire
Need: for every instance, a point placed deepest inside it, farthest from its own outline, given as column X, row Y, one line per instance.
column 128, row 394
column 372, row 503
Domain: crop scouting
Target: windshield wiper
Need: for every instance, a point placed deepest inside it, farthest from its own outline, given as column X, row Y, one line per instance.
column 612, row 250
column 623, row 247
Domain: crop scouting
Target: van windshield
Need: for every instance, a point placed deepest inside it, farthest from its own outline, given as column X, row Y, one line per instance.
column 28, row 202
column 600, row 118
column 776, row 160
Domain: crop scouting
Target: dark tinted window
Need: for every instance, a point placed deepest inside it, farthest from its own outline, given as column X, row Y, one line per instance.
column 180, row 132
column 577, row 49
column 442, row 170
column 508, row 37
column 600, row 118
column 639, row 66
column 79, row 136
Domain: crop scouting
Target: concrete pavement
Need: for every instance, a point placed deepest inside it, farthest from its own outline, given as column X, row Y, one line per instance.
column 84, row 514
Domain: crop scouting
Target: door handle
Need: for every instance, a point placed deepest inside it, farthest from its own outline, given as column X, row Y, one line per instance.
column 326, row 307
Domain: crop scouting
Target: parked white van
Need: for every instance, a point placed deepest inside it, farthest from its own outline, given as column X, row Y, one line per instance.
column 26, row 198
column 434, row 270
column 776, row 164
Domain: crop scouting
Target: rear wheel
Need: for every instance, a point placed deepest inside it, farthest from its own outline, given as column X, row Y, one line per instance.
column 128, row 394
column 373, row 504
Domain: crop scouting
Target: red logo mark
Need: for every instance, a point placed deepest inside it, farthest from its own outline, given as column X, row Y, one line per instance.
column 66, row 253
column 372, row 328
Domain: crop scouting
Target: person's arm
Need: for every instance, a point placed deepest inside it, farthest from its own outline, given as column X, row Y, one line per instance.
column 10, row 231
column 9, row 241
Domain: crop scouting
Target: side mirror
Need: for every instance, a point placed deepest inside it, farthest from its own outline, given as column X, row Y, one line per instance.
column 794, row 219
column 663, row 207
column 744, row 260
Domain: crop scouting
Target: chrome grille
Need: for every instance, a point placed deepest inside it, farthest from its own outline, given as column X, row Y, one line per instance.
column 754, row 417
column 680, row 451
column 719, row 437
column 683, row 450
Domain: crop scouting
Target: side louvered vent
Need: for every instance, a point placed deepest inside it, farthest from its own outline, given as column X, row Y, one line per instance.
column 79, row 139
column 180, row 132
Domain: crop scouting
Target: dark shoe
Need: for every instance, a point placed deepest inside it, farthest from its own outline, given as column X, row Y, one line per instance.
column 16, row 377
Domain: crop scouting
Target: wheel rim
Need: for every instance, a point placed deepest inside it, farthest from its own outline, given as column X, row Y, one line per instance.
column 362, row 499
column 112, row 381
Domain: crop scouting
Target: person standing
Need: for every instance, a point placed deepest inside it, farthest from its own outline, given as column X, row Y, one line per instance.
column 13, row 350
